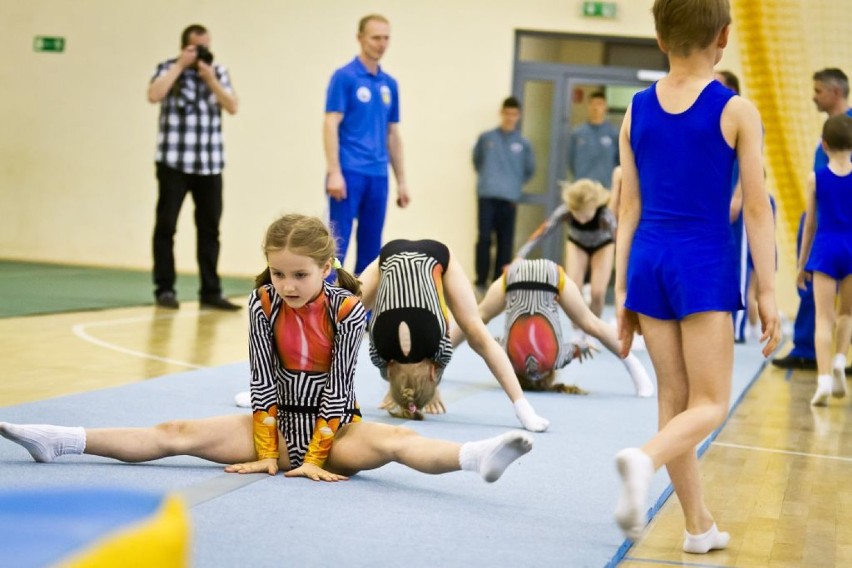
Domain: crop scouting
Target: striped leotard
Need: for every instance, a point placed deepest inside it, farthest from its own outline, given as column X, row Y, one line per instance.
column 533, row 335
column 411, row 294
column 302, row 368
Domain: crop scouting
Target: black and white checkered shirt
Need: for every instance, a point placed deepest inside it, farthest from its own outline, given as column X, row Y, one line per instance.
column 190, row 132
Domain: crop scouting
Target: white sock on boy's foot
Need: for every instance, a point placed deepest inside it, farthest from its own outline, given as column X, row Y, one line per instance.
column 636, row 470
column 527, row 416
column 491, row 457
column 45, row 442
column 823, row 391
column 641, row 381
column 838, row 375
column 713, row 539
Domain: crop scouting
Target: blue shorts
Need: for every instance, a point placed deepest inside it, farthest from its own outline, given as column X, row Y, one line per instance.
column 675, row 273
column 831, row 256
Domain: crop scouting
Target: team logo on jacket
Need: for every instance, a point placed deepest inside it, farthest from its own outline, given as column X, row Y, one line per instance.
column 386, row 94
column 364, row 95
column 516, row 147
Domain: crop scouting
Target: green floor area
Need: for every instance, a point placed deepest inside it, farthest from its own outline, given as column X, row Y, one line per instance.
column 30, row 288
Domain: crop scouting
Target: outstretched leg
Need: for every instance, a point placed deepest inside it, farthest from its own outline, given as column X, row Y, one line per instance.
column 581, row 315
column 223, row 439
column 363, row 446
column 462, row 304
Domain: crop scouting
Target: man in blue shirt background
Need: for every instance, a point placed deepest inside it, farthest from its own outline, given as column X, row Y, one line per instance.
column 360, row 138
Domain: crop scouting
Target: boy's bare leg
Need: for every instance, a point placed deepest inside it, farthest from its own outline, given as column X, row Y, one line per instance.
column 693, row 360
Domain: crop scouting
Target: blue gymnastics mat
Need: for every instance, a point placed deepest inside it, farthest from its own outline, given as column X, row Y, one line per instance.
column 551, row 508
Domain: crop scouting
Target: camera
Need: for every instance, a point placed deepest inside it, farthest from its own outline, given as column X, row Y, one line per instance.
column 204, row 54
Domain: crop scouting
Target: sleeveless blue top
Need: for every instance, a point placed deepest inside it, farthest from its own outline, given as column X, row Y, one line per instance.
column 685, row 165
column 832, row 249
column 683, row 259
column 833, row 203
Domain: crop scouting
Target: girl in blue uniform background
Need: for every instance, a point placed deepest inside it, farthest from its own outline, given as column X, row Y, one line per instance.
column 827, row 255
column 676, row 277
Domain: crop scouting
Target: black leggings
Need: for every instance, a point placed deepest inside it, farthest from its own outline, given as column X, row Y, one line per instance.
column 207, row 195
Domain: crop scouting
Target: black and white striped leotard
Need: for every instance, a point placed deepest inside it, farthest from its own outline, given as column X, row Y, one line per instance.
column 533, row 333
column 411, row 293
column 303, row 362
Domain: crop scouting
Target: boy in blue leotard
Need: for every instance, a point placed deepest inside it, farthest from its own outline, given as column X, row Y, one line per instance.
column 827, row 255
column 675, row 258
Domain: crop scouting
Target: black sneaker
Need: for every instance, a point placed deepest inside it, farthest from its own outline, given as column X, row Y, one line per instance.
column 219, row 303
column 167, row 300
column 793, row 362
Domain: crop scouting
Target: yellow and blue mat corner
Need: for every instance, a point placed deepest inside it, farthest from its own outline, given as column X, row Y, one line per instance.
column 92, row 527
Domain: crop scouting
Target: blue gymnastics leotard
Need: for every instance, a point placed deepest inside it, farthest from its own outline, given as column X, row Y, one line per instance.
column 683, row 259
column 831, row 253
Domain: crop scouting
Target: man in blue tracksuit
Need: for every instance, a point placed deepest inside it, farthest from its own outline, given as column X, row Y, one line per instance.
column 360, row 138
column 504, row 162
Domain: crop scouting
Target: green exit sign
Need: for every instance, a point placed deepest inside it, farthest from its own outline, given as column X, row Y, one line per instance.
column 47, row 43
column 600, row 9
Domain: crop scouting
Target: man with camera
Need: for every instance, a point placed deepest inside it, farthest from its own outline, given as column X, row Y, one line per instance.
column 192, row 91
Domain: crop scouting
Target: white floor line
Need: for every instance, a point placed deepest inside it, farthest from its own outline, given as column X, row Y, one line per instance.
column 80, row 331
column 786, row 452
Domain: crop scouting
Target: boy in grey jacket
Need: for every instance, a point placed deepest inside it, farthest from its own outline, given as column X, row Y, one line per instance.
column 504, row 162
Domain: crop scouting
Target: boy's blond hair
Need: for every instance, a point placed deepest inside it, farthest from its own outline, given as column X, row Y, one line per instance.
column 412, row 386
column 584, row 193
column 684, row 25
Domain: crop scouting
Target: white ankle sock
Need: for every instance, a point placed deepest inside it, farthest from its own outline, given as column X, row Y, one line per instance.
column 753, row 332
column 491, row 457
column 527, row 416
column 243, row 399
column 636, row 470
column 823, row 391
column 838, row 375
column 713, row 539
column 641, row 381
column 45, row 442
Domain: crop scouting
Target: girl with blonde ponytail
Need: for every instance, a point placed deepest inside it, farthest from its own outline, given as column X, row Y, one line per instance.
column 304, row 339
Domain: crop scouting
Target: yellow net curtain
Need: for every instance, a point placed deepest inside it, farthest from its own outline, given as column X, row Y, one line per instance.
column 782, row 44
